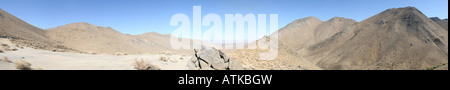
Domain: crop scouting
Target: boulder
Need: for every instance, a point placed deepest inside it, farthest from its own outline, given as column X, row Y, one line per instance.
column 209, row 58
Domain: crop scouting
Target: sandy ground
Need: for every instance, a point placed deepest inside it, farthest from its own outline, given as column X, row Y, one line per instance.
column 49, row 60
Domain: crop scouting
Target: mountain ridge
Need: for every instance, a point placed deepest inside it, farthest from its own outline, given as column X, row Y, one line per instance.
column 397, row 38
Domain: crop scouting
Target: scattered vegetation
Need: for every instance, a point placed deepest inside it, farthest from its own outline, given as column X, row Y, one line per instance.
column 433, row 68
column 140, row 64
column 5, row 47
column 163, row 58
column 23, row 65
column 6, row 59
column 120, row 53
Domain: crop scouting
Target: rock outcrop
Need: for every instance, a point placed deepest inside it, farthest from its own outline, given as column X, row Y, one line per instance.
column 212, row 59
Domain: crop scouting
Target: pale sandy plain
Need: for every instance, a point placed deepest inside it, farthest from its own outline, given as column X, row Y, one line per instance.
column 49, row 60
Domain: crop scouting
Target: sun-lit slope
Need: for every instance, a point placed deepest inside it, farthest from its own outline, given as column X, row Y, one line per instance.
column 299, row 33
column 25, row 34
column 398, row 38
column 329, row 28
column 87, row 37
column 286, row 59
column 90, row 38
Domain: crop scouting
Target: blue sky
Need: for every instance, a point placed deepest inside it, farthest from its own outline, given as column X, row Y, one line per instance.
column 141, row 16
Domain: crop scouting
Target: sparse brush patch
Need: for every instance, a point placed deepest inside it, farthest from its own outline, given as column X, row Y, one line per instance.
column 6, row 59
column 163, row 58
column 23, row 65
column 140, row 64
column 435, row 67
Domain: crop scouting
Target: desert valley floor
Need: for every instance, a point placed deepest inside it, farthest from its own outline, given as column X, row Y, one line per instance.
column 49, row 60
column 395, row 39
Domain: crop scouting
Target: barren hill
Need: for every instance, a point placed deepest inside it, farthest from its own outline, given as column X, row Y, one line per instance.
column 286, row 59
column 442, row 22
column 302, row 33
column 25, row 34
column 12, row 26
column 87, row 37
column 398, row 38
column 329, row 28
column 299, row 33
column 90, row 38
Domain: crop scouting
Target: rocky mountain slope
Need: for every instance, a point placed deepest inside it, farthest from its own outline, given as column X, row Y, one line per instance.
column 90, row 38
column 286, row 59
column 25, row 34
column 398, row 38
column 442, row 22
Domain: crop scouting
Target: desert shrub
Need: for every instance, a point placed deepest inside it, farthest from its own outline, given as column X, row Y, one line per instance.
column 163, row 58
column 435, row 67
column 6, row 59
column 23, row 65
column 140, row 64
column 6, row 48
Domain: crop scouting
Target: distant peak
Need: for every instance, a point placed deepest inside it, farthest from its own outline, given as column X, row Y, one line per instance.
column 82, row 26
column 435, row 18
column 311, row 18
column 151, row 33
column 339, row 19
column 80, row 23
column 402, row 13
column 307, row 19
column 403, row 9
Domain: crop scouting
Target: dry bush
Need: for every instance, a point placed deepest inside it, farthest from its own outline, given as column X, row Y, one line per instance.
column 6, row 59
column 5, row 47
column 120, row 53
column 23, row 65
column 140, row 64
column 163, row 58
